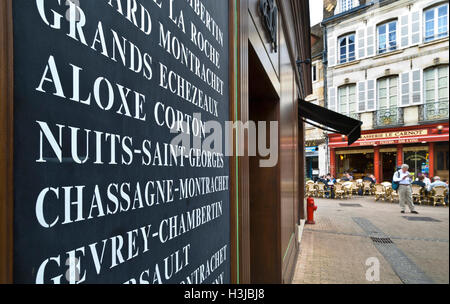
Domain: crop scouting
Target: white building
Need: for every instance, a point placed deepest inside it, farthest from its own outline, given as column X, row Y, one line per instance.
column 387, row 64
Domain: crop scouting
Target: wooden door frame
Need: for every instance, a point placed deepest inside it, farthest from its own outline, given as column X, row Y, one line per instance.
column 6, row 142
column 239, row 165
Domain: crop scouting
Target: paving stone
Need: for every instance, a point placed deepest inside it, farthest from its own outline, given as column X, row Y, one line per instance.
column 336, row 248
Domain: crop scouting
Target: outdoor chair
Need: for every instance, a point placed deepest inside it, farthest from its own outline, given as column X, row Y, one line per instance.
column 311, row 190
column 355, row 188
column 347, row 187
column 320, row 190
column 389, row 192
column 380, row 192
column 359, row 186
column 339, row 191
column 438, row 195
column 417, row 194
column 367, row 188
column 387, row 184
column 393, row 195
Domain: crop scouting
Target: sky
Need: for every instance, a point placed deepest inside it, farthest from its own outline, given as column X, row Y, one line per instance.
column 316, row 11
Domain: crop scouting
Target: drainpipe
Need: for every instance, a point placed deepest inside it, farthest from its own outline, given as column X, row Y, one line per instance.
column 325, row 87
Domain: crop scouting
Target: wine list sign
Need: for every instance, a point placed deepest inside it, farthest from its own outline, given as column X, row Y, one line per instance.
column 103, row 193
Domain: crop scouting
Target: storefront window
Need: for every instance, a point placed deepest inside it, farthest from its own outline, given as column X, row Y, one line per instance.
column 418, row 162
column 359, row 164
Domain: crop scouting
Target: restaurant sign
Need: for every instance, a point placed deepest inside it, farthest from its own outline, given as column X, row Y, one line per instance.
column 394, row 134
column 103, row 190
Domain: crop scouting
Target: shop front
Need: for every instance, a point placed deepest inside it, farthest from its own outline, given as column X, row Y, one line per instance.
column 312, row 162
column 355, row 161
column 380, row 152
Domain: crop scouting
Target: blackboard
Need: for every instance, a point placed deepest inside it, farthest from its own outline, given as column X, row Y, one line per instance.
column 101, row 192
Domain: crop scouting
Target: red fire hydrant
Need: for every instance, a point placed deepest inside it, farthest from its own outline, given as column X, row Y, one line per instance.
column 311, row 208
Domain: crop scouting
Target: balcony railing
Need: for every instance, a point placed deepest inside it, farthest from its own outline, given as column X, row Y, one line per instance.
column 388, row 117
column 435, row 111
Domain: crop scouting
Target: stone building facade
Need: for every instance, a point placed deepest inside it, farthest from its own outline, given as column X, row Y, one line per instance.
column 315, row 139
column 387, row 64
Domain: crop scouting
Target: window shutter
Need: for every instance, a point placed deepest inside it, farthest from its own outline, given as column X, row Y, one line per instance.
column 416, row 87
column 332, row 52
column 415, row 28
column 361, row 44
column 361, row 96
column 404, row 31
column 370, row 95
column 370, row 41
column 332, row 99
column 405, row 89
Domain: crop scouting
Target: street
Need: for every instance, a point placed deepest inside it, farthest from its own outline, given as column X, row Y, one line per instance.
column 348, row 233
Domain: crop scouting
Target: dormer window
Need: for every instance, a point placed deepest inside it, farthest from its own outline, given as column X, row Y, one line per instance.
column 346, row 5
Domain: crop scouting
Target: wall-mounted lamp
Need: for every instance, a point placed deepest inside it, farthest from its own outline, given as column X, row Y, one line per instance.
column 440, row 128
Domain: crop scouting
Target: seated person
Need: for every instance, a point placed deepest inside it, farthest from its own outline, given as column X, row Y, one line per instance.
column 420, row 181
column 426, row 180
column 330, row 180
column 370, row 178
column 437, row 182
column 350, row 177
column 347, row 177
column 322, row 180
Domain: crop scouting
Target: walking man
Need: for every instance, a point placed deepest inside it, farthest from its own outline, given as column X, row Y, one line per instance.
column 404, row 178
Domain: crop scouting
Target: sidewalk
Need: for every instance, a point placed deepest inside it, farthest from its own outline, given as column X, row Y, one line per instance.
column 335, row 250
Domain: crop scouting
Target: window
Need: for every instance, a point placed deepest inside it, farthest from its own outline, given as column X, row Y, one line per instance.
column 314, row 73
column 347, row 48
column 436, row 87
column 347, row 100
column 436, row 22
column 387, row 92
column 417, row 160
column 346, row 5
column 387, row 37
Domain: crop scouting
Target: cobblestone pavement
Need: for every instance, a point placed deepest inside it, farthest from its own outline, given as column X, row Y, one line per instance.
column 335, row 250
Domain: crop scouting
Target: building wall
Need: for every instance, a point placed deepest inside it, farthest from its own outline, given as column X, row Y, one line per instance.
column 315, row 136
column 407, row 62
column 410, row 58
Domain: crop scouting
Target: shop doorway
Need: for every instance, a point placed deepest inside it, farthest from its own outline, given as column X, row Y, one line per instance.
column 388, row 165
column 442, row 160
column 264, row 182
